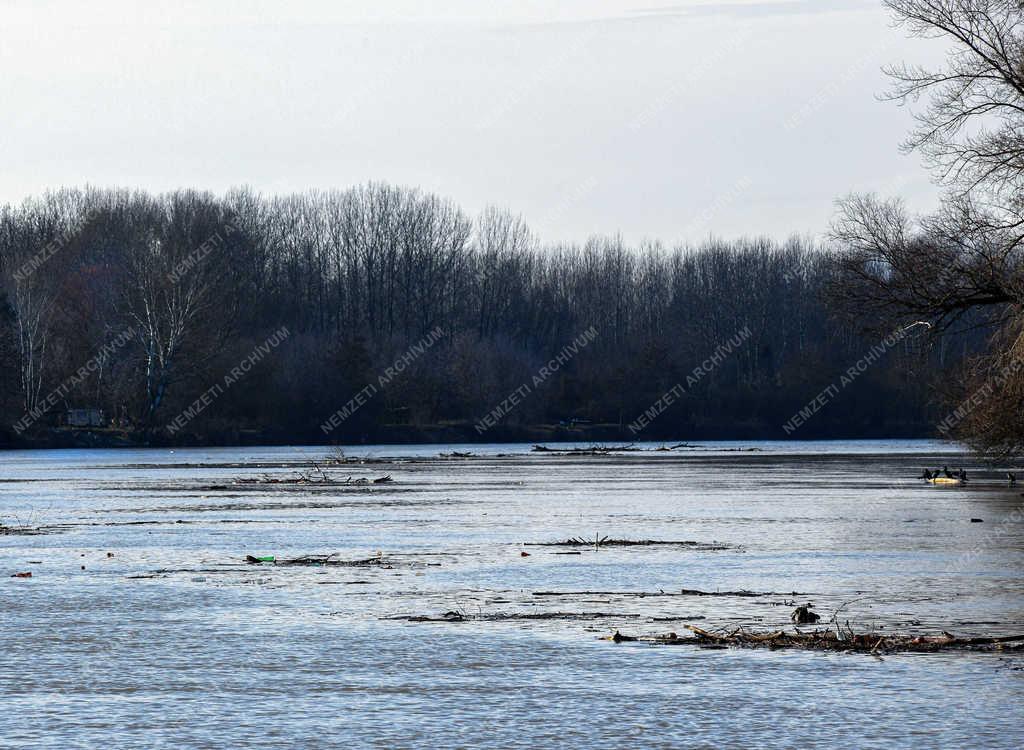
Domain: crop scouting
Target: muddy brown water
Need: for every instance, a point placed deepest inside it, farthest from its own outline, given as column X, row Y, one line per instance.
column 174, row 641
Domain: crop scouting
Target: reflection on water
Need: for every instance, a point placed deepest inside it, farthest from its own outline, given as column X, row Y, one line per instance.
column 175, row 641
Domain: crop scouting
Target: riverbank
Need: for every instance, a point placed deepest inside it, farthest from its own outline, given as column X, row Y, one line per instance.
column 452, row 433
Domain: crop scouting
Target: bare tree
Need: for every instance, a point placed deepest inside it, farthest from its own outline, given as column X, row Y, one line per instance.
column 963, row 265
column 970, row 127
column 174, row 268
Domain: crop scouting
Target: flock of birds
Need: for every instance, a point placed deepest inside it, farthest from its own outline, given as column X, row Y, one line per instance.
column 960, row 474
column 944, row 472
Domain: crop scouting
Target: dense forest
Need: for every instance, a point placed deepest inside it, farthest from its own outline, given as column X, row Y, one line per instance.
column 384, row 313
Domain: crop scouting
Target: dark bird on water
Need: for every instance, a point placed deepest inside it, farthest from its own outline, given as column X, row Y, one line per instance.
column 926, row 475
column 804, row 616
column 1011, row 477
column 945, row 471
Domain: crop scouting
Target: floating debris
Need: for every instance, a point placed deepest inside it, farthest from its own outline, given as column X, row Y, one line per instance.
column 321, row 479
column 450, row 616
column 25, row 530
column 512, row 616
column 594, row 450
column 605, row 541
column 331, row 559
column 824, row 640
column 644, row 594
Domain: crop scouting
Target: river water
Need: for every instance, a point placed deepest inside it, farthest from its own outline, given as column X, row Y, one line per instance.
column 142, row 626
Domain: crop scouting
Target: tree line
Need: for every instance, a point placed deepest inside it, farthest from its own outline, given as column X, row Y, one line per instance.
column 192, row 283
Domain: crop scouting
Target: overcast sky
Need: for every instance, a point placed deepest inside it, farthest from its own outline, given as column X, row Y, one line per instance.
column 586, row 116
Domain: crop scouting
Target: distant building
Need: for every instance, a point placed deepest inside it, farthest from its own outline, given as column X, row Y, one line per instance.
column 85, row 417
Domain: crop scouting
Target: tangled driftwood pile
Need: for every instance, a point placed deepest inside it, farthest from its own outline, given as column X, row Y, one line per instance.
column 825, row 640
column 319, row 478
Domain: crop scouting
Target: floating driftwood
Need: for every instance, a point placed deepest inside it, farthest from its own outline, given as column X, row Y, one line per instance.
column 333, row 560
column 593, row 450
column 30, row 530
column 823, row 640
column 167, row 522
column 317, row 560
column 601, row 450
column 453, row 616
column 644, row 594
column 605, row 541
column 320, row 479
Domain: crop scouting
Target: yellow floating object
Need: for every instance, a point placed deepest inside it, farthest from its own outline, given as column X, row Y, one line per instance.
column 943, row 480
